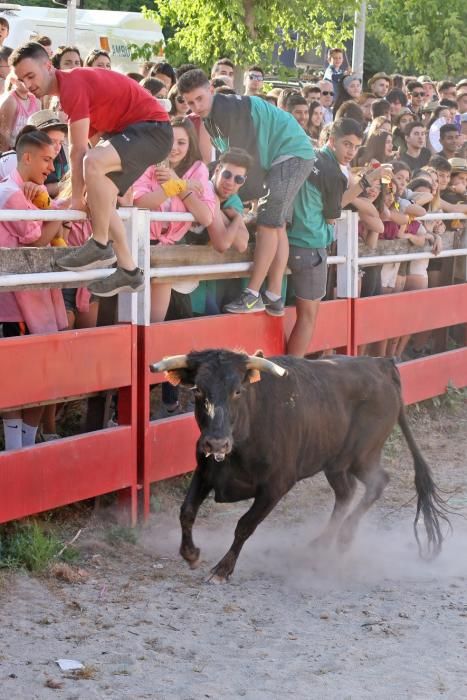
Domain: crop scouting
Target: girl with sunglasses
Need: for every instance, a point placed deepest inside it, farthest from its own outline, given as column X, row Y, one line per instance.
column 180, row 184
column 179, row 107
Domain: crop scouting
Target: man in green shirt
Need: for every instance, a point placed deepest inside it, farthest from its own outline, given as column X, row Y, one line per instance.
column 316, row 209
column 282, row 159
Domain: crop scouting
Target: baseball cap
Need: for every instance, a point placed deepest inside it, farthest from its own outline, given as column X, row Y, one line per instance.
column 425, row 79
column 46, row 119
column 458, row 165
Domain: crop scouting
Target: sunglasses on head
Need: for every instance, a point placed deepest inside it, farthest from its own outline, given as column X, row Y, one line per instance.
column 256, row 76
column 327, row 92
column 238, row 179
column 180, row 99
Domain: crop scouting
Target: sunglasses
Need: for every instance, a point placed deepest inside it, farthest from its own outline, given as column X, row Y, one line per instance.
column 327, row 92
column 180, row 99
column 238, row 179
column 418, row 94
column 256, row 76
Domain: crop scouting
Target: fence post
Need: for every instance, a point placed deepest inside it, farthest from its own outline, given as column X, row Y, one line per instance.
column 463, row 261
column 347, row 274
column 347, row 245
column 135, row 308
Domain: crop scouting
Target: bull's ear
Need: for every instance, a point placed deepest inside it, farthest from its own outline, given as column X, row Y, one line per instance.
column 173, row 377
column 185, row 377
column 253, row 375
column 259, row 353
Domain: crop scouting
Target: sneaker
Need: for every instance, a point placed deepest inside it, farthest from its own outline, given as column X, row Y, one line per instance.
column 88, row 257
column 273, row 308
column 246, row 303
column 118, row 281
column 48, row 437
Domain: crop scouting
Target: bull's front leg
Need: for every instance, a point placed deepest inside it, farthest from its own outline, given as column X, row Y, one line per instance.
column 198, row 490
column 262, row 505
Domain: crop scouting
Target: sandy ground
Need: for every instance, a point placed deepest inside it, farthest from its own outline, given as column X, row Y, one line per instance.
column 378, row 623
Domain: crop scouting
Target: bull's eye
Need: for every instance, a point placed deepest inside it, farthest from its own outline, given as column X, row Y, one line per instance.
column 237, row 393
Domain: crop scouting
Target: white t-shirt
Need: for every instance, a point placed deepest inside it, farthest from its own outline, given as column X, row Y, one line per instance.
column 8, row 163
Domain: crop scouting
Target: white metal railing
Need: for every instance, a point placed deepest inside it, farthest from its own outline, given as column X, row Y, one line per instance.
column 135, row 308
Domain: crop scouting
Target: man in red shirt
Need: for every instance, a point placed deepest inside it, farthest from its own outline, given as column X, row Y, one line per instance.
column 129, row 131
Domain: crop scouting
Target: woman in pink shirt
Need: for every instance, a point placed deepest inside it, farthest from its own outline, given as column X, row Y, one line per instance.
column 184, row 163
column 16, row 107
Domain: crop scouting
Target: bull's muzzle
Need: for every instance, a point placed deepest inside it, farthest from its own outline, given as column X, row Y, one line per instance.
column 217, row 447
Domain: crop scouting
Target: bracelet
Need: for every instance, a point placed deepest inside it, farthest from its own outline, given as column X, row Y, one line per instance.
column 186, row 196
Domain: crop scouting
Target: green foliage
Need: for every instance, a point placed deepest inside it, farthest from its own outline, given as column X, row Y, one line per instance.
column 247, row 30
column 377, row 56
column 425, row 36
column 146, row 51
column 28, row 545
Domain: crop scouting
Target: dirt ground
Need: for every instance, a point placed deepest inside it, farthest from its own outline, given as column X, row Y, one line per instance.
column 377, row 623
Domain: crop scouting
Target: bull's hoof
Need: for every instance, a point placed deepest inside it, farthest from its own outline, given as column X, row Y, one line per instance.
column 191, row 556
column 223, row 570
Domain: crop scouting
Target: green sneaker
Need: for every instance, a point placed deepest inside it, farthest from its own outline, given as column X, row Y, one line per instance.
column 247, row 303
column 89, row 256
column 118, row 281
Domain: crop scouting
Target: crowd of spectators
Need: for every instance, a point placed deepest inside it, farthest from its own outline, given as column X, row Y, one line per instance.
column 276, row 166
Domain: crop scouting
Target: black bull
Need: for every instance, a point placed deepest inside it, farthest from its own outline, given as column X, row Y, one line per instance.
column 263, row 429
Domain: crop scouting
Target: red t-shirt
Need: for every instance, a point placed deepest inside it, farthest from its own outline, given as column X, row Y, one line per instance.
column 110, row 100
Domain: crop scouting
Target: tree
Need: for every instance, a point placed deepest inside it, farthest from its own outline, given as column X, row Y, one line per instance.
column 424, row 36
column 377, row 56
column 248, row 30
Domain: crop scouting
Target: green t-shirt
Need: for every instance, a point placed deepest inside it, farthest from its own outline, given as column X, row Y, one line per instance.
column 279, row 134
column 233, row 202
column 309, row 228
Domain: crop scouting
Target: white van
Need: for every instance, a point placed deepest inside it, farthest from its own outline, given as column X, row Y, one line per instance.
column 94, row 29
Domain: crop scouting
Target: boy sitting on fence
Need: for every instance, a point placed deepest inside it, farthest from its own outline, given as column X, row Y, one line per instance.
column 24, row 312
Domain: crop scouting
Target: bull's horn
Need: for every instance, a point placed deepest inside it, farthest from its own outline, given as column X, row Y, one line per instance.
column 263, row 365
column 170, row 363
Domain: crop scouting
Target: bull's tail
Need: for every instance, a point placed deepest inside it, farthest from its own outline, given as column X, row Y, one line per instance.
column 429, row 503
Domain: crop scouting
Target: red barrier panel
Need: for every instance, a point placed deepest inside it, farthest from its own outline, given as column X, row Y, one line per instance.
column 430, row 376
column 40, row 368
column 167, row 446
column 393, row 315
